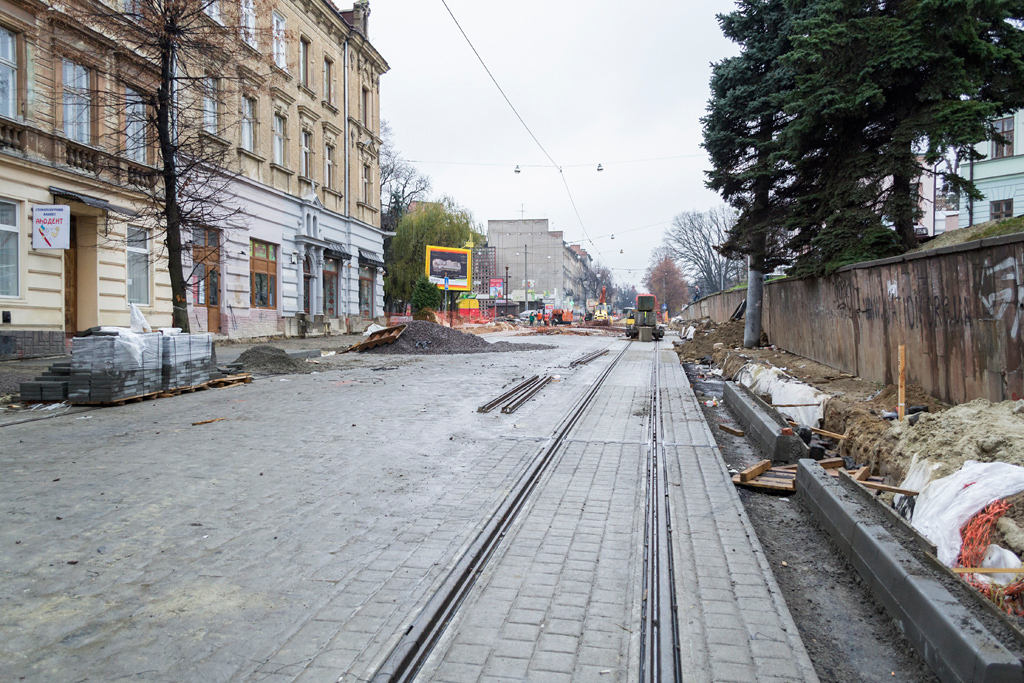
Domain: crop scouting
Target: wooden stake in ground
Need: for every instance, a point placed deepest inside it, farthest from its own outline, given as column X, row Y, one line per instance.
column 902, row 407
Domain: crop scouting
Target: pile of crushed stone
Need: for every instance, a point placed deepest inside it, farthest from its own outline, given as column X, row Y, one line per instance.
column 270, row 360
column 426, row 338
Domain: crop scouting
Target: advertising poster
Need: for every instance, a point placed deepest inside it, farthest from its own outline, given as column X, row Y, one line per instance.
column 454, row 264
column 51, row 227
column 497, row 287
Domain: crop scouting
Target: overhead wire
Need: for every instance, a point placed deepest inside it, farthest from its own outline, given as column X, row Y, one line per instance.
column 561, row 173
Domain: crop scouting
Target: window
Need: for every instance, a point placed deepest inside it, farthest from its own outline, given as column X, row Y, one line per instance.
column 76, row 102
column 134, row 126
column 279, row 133
column 8, row 249
column 304, row 62
column 212, row 10
column 263, row 273
column 280, row 57
column 138, row 266
column 331, row 269
column 1000, row 210
column 8, row 74
column 329, row 166
column 1003, row 149
column 328, row 80
column 247, row 19
column 307, row 154
column 366, row 183
column 210, row 106
column 366, row 107
column 248, row 124
column 367, row 276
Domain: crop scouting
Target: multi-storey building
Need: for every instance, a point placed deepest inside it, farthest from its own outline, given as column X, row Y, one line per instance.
column 307, row 254
column 999, row 176
column 541, row 266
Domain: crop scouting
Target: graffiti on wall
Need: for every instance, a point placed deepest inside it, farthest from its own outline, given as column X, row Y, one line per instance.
column 1002, row 289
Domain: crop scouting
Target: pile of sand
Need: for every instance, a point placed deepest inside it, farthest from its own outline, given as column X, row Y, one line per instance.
column 706, row 336
column 270, row 360
column 426, row 338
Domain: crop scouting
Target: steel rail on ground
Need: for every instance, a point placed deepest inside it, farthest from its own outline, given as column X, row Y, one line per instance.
column 530, row 393
column 412, row 650
column 511, row 393
column 659, row 612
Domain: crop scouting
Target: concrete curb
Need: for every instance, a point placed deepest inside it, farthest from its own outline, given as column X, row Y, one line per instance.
column 763, row 424
column 956, row 646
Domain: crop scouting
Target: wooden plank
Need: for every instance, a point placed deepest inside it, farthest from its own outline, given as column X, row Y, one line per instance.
column 987, row 570
column 751, row 472
column 789, row 486
column 882, row 487
column 830, row 463
column 794, row 405
column 731, row 430
column 862, row 474
column 831, row 435
column 206, row 422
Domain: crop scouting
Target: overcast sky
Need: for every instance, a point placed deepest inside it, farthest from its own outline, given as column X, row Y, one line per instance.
column 615, row 83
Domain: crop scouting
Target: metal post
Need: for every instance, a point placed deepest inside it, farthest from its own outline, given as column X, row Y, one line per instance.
column 504, row 294
column 526, row 283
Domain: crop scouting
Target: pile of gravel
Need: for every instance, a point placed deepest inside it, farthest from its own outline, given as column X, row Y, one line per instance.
column 270, row 360
column 427, row 338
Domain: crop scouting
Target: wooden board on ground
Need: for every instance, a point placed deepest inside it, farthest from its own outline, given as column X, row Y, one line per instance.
column 783, row 477
column 731, row 430
column 755, row 471
column 389, row 335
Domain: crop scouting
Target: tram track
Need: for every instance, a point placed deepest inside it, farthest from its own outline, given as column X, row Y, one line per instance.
column 411, row 652
column 659, row 612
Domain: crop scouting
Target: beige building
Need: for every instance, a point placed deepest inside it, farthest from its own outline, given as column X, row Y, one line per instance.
column 309, row 248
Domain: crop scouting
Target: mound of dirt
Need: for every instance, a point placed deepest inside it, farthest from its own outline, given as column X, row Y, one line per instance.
column 270, row 360
column 707, row 335
column 427, row 338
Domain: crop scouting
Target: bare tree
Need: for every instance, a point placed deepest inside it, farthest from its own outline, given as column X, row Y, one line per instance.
column 183, row 69
column 693, row 242
column 664, row 279
column 400, row 181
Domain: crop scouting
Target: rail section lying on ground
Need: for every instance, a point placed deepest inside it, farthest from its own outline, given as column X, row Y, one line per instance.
column 659, row 611
column 412, row 650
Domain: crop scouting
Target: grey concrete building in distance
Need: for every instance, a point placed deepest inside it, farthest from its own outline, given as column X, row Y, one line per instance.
column 557, row 272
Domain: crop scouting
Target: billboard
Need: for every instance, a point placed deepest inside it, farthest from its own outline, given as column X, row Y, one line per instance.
column 454, row 264
column 497, row 287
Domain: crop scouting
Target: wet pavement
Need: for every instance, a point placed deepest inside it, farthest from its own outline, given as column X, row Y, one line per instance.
column 296, row 539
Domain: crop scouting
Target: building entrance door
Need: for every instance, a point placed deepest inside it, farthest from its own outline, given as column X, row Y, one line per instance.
column 206, row 254
column 71, row 282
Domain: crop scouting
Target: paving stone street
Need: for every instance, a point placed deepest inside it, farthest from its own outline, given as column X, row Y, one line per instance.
column 298, row 538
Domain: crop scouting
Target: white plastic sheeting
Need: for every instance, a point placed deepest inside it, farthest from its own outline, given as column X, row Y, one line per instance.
column 998, row 557
column 765, row 380
column 134, row 344
column 945, row 505
column 374, row 327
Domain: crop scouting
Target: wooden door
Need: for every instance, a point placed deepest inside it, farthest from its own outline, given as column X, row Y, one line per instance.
column 213, row 298
column 71, row 282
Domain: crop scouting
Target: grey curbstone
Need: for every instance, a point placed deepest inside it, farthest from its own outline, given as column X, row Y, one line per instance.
column 763, row 424
column 956, row 646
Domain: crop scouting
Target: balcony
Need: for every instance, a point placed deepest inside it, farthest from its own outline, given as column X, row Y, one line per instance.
column 81, row 157
column 12, row 134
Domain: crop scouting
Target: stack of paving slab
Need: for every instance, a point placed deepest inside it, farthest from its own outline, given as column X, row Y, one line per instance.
column 188, row 360
column 52, row 385
column 107, row 368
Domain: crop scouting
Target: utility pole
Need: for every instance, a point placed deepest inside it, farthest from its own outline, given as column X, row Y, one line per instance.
column 526, row 282
column 504, row 294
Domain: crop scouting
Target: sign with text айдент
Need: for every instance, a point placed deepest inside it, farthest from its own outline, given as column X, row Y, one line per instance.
column 51, row 227
column 455, row 265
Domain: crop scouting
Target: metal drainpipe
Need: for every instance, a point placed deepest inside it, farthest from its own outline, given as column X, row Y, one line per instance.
column 970, row 202
column 348, row 187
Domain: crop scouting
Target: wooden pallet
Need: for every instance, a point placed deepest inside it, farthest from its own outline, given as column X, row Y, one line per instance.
column 783, row 478
column 221, row 383
column 389, row 335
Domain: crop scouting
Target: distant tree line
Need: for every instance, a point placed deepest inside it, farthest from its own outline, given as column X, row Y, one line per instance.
column 819, row 129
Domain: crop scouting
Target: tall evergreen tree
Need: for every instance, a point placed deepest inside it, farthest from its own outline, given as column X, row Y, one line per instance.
column 883, row 86
column 741, row 134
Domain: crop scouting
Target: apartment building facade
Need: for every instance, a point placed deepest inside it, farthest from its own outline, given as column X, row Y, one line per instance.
column 999, row 176
column 306, row 254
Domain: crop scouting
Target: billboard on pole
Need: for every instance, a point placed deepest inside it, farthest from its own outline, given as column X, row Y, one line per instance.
column 453, row 265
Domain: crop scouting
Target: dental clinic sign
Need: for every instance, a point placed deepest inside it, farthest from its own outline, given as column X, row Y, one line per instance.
column 51, row 227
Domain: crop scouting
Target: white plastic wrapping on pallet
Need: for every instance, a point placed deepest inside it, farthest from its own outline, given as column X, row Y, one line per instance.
column 765, row 380
column 944, row 505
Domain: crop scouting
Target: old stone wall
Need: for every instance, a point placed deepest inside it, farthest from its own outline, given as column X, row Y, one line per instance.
column 959, row 311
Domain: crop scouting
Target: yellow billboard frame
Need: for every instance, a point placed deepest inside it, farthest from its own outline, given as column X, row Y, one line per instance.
column 452, row 286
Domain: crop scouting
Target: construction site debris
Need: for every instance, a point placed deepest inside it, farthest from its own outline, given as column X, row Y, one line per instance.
column 206, row 422
column 705, row 335
column 264, row 359
column 426, row 338
column 379, row 337
column 731, row 430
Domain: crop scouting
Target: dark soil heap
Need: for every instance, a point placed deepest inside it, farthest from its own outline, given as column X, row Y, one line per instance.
column 427, row 338
column 270, row 360
column 707, row 335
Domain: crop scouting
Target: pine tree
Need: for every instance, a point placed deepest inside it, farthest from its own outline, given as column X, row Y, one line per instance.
column 425, row 295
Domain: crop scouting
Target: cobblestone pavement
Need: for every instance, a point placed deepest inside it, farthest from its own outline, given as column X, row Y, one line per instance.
column 297, row 539
column 560, row 602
